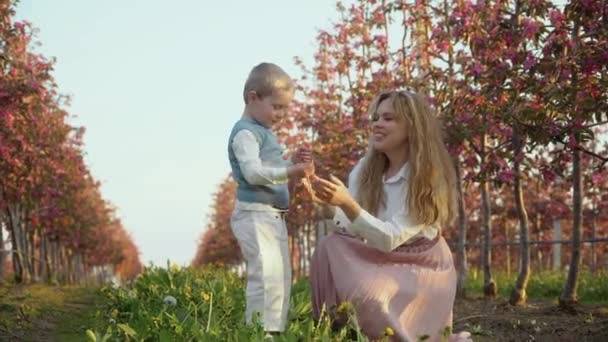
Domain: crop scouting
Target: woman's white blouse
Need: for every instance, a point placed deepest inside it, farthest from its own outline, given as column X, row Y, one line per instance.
column 393, row 226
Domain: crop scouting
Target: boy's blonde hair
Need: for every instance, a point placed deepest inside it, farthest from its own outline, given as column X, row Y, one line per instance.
column 432, row 180
column 266, row 78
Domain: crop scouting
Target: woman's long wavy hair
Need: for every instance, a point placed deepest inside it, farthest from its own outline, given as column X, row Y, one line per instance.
column 432, row 181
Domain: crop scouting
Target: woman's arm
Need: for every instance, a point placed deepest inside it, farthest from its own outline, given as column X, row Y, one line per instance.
column 384, row 235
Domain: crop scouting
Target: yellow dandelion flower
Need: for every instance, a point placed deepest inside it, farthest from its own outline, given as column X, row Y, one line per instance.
column 206, row 296
column 389, row 331
column 175, row 267
column 344, row 306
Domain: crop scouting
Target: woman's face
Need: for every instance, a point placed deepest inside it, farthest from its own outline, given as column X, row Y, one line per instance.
column 389, row 130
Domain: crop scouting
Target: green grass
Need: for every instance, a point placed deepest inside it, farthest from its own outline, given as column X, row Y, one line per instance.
column 210, row 307
column 546, row 285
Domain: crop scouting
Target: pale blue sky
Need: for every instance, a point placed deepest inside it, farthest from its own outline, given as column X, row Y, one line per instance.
column 157, row 84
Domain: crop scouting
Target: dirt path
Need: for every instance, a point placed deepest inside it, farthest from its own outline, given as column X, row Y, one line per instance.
column 539, row 321
column 47, row 313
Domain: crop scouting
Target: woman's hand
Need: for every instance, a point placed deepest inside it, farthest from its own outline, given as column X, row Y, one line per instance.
column 308, row 187
column 334, row 192
column 331, row 191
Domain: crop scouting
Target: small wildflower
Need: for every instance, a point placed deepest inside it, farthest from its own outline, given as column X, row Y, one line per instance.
column 205, row 296
column 447, row 332
column 344, row 306
column 175, row 267
column 389, row 331
column 115, row 313
column 170, row 300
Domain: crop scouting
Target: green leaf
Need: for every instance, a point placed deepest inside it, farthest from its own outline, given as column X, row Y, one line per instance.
column 127, row 329
column 165, row 336
column 91, row 336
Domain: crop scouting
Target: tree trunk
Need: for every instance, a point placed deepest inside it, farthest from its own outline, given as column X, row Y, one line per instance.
column 31, row 242
column 593, row 264
column 54, row 262
column 518, row 295
column 568, row 296
column 2, row 251
column 489, row 285
column 537, row 248
column 508, row 249
column 25, row 241
column 78, row 269
column 63, row 265
column 70, row 266
column 302, row 254
column 18, row 256
column 462, row 234
column 43, row 268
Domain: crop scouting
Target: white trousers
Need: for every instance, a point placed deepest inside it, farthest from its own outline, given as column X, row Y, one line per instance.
column 262, row 236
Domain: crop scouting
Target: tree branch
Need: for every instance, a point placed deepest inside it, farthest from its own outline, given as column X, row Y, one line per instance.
column 597, row 124
column 603, row 159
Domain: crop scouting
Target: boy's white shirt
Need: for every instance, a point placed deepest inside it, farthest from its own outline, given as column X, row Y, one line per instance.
column 393, row 226
column 247, row 151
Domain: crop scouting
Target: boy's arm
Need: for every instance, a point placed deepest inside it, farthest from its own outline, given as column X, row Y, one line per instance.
column 247, row 151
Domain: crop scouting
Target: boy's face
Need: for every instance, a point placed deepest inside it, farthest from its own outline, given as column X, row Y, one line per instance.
column 268, row 110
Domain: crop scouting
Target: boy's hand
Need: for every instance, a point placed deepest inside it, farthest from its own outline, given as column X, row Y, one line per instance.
column 302, row 155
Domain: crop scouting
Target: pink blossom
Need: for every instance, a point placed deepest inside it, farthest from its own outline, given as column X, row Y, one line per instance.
column 529, row 62
column 379, row 16
column 443, row 46
column 381, row 39
column 531, row 27
column 557, row 18
column 436, row 31
column 477, row 69
column 506, row 176
column 598, row 178
column 357, row 14
column 548, row 175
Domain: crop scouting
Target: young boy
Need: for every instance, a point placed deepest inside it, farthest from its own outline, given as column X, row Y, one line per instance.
column 258, row 219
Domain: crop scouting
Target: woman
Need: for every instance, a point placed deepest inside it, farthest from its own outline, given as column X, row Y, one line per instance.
column 387, row 257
